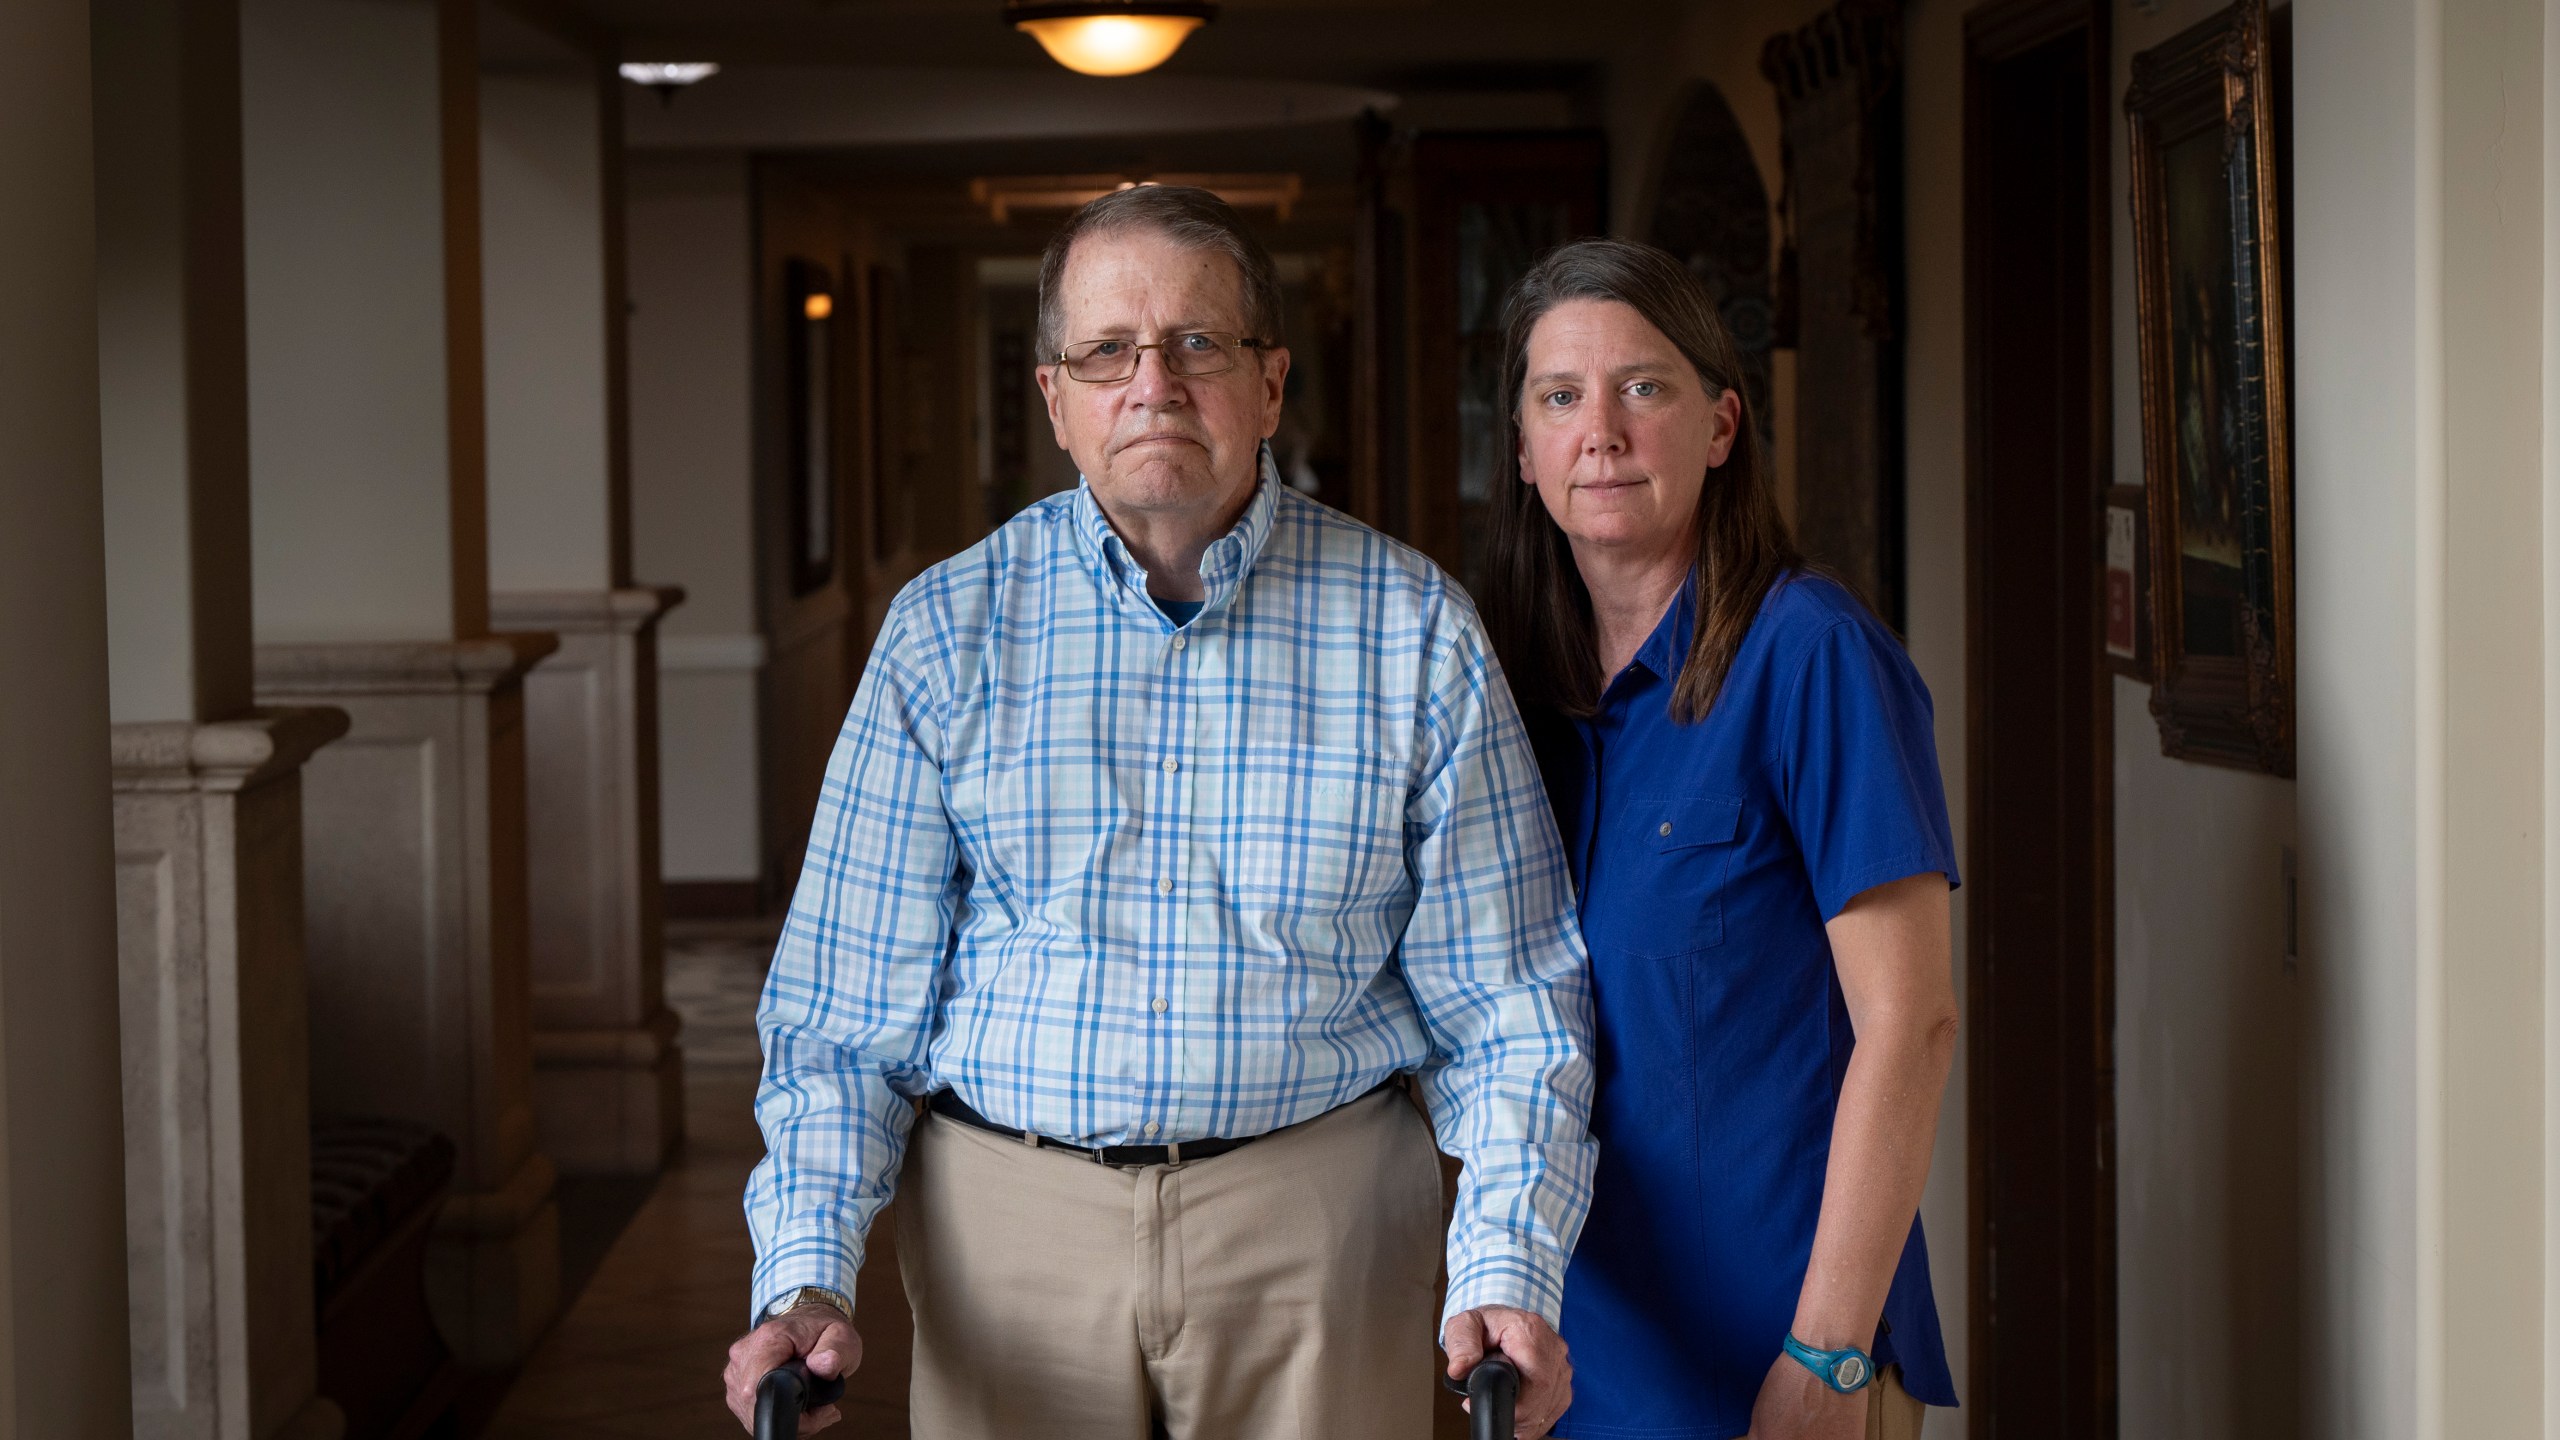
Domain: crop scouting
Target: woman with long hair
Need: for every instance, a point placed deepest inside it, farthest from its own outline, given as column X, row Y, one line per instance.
column 1742, row 765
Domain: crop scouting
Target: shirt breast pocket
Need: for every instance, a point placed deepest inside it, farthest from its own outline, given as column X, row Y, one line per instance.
column 1685, row 846
column 1323, row 837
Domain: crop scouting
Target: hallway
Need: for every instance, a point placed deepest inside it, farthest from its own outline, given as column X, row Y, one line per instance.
column 453, row 474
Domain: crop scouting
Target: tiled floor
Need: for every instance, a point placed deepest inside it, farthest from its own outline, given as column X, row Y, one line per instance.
column 638, row 1355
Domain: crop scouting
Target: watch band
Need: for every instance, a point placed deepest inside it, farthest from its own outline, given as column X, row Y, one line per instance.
column 1846, row 1370
column 806, row 1296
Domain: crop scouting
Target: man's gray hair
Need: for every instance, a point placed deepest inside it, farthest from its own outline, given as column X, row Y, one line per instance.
column 1192, row 218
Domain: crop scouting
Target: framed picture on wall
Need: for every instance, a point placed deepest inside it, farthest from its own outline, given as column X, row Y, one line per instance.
column 2127, row 621
column 2216, row 433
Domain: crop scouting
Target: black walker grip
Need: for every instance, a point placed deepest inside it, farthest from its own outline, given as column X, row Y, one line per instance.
column 785, row 1393
column 1491, row 1390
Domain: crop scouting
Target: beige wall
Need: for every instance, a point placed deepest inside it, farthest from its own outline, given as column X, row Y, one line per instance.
column 2207, row 1195
column 63, row 1365
column 692, row 268
column 2425, row 255
column 542, row 197
column 2357, row 398
column 347, row 423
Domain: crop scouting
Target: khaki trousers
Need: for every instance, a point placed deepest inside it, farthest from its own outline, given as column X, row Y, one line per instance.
column 1891, row 1412
column 1282, row 1291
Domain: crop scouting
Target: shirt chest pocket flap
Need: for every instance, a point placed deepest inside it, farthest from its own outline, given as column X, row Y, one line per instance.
column 1685, row 848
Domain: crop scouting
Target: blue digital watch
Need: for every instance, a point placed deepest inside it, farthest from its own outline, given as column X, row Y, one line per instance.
column 1846, row 1369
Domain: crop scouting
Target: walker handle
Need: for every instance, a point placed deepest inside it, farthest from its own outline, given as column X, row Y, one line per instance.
column 787, row 1390
column 1490, row 1390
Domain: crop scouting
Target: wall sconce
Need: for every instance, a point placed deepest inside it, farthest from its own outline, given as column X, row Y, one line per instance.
column 1109, row 39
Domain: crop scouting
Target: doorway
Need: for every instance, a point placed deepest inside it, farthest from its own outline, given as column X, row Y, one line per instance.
column 2040, row 954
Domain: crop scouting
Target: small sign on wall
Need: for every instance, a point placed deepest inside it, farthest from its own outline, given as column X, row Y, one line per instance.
column 2128, row 617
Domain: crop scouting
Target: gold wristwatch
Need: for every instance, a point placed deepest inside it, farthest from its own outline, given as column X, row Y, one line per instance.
column 806, row 1296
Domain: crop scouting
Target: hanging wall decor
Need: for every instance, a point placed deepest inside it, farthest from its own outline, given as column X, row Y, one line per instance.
column 2216, row 437
column 1838, row 301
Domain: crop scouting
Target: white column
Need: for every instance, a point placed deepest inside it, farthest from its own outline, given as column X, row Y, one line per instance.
column 64, row 1370
column 361, row 130
column 2420, row 244
column 608, row 1087
column 208, row 799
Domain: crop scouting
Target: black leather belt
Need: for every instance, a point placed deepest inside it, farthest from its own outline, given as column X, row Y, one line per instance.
column 951, row 1106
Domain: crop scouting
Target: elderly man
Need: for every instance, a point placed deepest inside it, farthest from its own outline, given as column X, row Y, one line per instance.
column 1172, row 824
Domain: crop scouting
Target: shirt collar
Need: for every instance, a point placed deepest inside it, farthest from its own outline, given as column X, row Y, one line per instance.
column 1223, row 566
column 1667, row 648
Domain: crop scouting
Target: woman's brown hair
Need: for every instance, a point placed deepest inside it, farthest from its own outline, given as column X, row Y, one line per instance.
column 1537, row 611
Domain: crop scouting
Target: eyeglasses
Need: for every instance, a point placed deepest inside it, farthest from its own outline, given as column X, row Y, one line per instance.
column 1192, row 354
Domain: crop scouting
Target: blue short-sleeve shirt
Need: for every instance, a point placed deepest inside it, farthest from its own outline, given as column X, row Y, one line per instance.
column 1708, row 858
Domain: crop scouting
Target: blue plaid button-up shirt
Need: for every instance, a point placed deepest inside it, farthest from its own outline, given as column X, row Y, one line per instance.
column 1119, row 882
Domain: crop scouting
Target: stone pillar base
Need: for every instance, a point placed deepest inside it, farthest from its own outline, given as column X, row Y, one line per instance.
column 609, row 1102
column 608, row 1082
column 217, row 1092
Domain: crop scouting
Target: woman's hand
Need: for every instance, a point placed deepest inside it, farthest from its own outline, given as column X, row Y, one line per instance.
column 1531, row 1345
column 1794, row 1405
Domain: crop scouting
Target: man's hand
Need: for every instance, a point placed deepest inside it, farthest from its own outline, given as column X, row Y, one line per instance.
column 1530, row 1344
column 1794, row 1404
column 821, row 1332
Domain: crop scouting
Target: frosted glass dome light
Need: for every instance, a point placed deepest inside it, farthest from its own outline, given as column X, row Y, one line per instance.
column 1108, row 39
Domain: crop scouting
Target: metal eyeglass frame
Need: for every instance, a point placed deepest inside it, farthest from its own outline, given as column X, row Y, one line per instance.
column 1137, row 356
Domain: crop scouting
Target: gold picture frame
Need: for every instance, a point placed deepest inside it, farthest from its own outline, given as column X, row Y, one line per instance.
column 2216, row 427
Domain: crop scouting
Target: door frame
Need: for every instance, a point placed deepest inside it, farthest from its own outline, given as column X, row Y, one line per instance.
column 1993, row 33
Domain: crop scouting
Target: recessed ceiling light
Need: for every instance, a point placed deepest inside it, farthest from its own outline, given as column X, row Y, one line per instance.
column 1109, row 39
column 685, row 72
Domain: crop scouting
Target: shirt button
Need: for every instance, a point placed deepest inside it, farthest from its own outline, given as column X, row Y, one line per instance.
column 1161, row 1006
column 1666, row 828
column 1181, row 642
column 1165, row 885
column 1172, row 765
column 1153, row 1127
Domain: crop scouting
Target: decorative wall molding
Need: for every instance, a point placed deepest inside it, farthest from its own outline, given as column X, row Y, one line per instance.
column 625, row 610
column 415, row 875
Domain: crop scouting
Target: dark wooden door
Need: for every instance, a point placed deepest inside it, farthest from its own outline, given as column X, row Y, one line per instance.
column 1471, row 214
column 2040, row 965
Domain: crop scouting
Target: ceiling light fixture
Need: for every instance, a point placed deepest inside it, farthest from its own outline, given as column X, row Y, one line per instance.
column 1109, row 39
column 668, row 77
